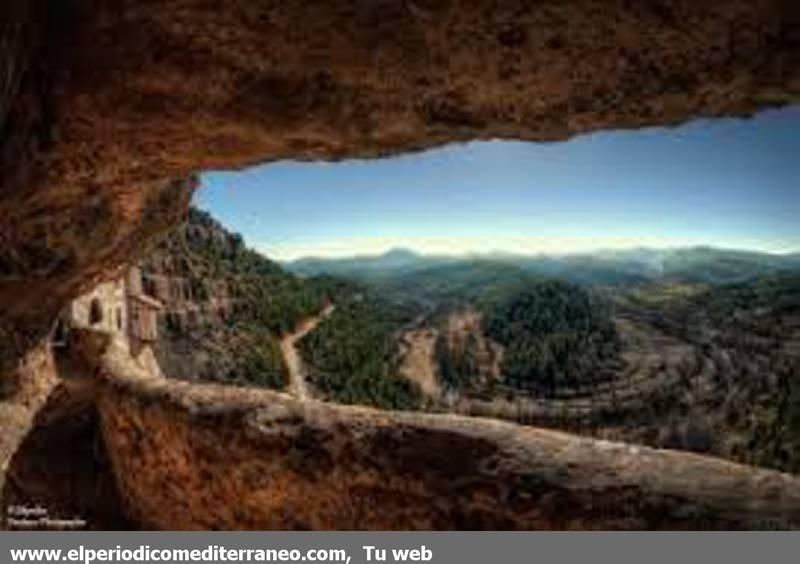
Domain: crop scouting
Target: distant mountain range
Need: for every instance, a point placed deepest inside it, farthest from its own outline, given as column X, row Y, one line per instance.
column 389, row 263
column 619, row 267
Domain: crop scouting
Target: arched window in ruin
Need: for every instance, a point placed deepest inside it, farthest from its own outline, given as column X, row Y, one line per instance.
column 119, row 318
column 95, row 312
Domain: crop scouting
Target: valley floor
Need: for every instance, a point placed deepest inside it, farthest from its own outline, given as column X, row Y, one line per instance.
column 717, row 391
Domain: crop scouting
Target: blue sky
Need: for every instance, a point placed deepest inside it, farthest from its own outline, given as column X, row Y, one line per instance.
column 727, row 183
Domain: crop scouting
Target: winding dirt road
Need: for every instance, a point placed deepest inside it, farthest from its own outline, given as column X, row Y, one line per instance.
column 294, row 362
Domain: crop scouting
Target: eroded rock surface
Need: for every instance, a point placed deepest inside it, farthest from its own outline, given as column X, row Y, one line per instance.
column 62, row 466
column 190, row 456
column 109, row 102
column 24, row 389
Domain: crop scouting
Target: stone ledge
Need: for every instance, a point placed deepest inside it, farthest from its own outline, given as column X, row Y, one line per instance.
column 189, row 456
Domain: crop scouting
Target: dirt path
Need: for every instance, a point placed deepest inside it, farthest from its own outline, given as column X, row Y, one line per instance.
column 294, row 362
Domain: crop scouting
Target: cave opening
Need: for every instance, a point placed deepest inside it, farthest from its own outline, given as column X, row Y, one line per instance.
column 586, row 285
column 110, row 110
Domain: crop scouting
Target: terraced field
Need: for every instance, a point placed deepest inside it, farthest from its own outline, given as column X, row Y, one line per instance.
column 692, row 375
column 652, row 361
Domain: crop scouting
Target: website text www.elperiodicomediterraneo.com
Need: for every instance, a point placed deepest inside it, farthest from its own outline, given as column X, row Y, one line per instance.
column 119, row 555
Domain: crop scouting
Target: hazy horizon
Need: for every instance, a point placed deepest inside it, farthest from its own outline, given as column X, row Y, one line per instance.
column 554, row 254
column 724, row 183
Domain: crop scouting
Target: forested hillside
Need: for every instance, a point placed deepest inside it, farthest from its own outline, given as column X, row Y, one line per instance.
column 454, row 283
column 755, row 327
column 556, row 336
column 696, row 349
column 226, row 305
column 353, row 353
column 693, row 349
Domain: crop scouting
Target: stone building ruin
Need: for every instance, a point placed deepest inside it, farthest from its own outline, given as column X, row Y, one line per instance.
column 120, row 308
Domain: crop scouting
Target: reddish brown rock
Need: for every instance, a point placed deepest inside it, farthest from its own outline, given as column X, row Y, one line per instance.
column 109, row 107
column 107, row 102
column 190, row 456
